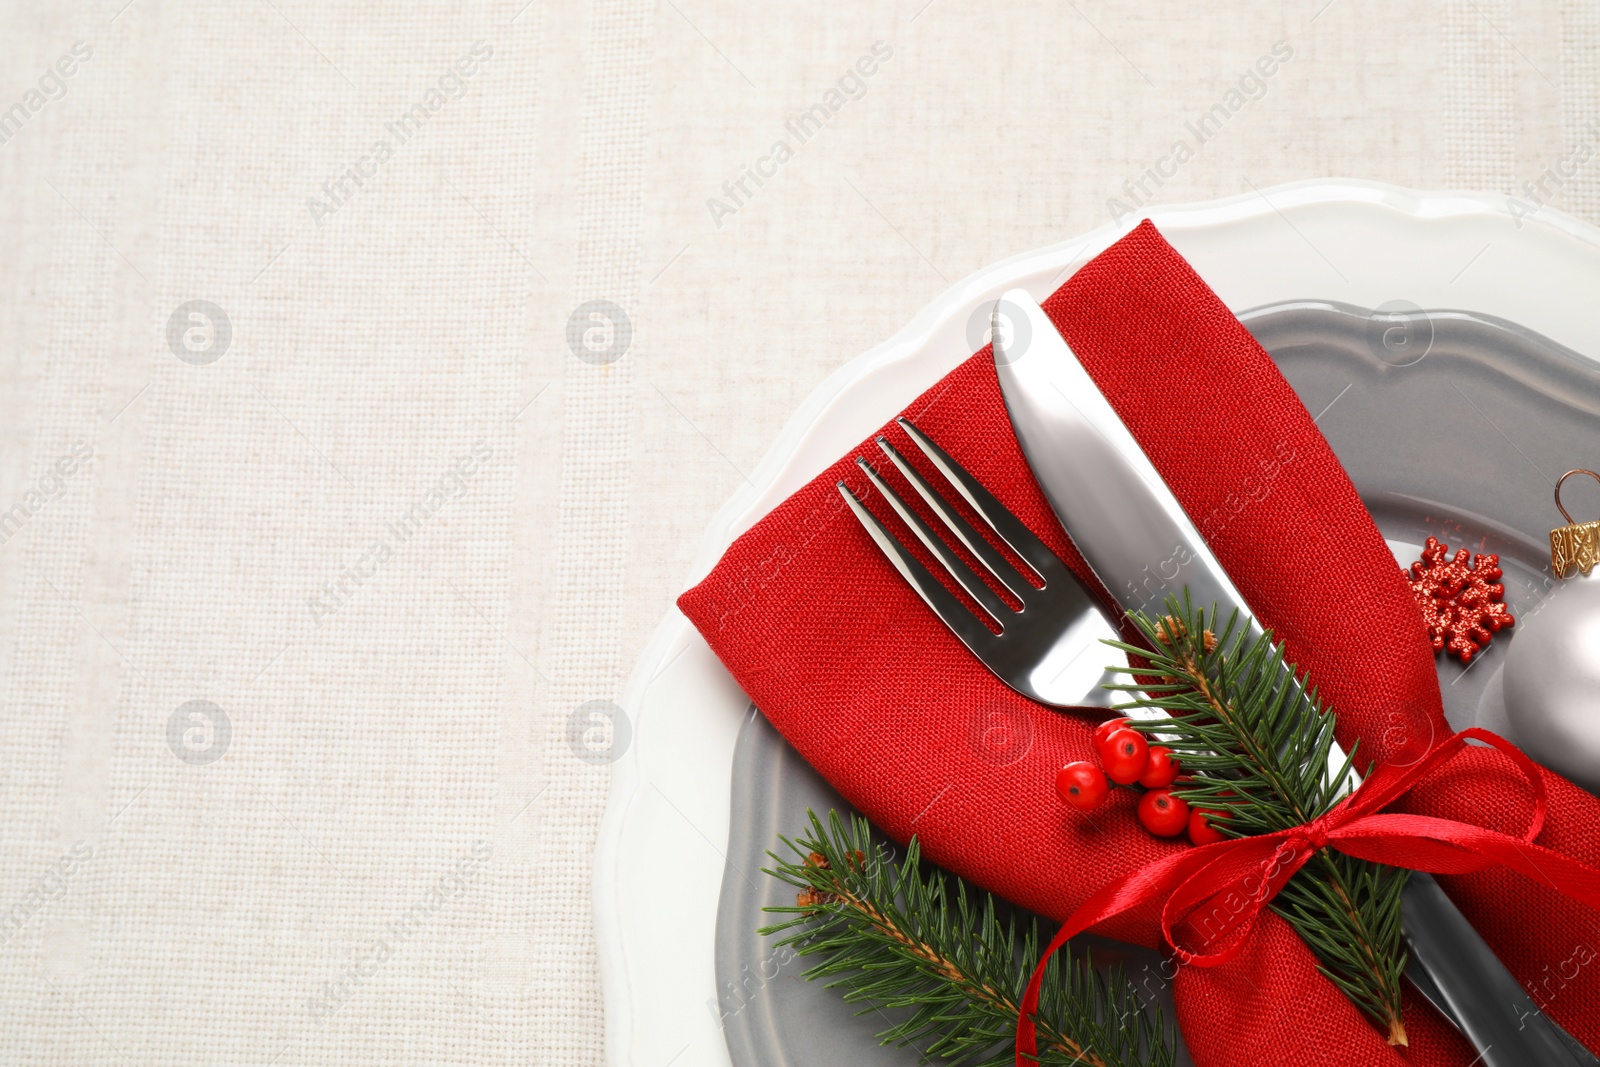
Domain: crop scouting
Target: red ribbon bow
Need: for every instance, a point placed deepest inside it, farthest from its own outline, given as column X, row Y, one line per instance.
column 1216, row 891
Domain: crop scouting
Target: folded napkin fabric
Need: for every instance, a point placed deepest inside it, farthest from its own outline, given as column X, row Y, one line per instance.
column 871, row 689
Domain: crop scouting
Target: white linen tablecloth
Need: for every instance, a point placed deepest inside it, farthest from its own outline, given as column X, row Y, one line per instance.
column 311, row 417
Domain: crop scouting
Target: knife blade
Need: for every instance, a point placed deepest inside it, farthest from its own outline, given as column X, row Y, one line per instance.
column 1138, row 540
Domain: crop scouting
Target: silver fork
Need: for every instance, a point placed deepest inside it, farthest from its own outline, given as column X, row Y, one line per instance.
column 1046, row 648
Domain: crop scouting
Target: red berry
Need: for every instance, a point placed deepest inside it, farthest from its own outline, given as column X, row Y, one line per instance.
column 1124, row 754
column 1162, row 770
column 1082, row 784
column 1162, row 813
column 1106, row 727
column 1201, row 832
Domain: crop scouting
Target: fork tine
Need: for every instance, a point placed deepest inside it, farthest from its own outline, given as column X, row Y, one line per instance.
column 1002, row 569
column 953, row 564
column 954, row 614
column 1008, row 526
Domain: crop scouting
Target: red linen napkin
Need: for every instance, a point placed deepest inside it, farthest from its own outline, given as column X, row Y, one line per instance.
column 853, row 669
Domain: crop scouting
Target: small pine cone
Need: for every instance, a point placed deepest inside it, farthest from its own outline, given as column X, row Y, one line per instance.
column 817, row 859
column 812, row 897
column 857, row 860
column 1170, row 629
column 1208, row 641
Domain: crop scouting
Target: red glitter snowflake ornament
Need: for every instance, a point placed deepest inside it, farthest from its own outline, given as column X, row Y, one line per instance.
column 1460, row 599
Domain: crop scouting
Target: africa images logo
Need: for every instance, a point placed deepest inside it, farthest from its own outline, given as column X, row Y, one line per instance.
column 1250, row 87
column 51, row 486
column 51, row 885
column 52, row 86
column 802, row 127
column 377, row 951
column 452, row 85
column 451, row 485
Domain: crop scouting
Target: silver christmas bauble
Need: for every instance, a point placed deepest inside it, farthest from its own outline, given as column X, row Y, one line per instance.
column 1552, row 681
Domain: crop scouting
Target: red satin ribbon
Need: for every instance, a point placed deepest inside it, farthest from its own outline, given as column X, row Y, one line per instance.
column 1216, row 891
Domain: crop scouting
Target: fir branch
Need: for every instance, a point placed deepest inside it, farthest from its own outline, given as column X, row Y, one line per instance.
column 898, row 938
column 1258, row 744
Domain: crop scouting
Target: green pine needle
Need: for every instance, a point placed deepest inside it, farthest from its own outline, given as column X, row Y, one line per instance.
column 895, row 937
column 1259, row 752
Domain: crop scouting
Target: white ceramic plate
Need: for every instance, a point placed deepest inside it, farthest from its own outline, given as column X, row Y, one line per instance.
column 1356, row 242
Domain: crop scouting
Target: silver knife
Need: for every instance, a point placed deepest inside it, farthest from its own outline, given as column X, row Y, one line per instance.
column 1141, row 544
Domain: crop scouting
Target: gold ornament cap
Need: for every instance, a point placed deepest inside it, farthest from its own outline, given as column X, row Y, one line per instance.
column 1577, row 544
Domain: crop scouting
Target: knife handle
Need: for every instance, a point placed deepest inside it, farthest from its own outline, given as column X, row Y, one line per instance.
column 1485, row 1000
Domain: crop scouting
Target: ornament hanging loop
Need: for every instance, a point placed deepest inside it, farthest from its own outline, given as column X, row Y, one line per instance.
column 1559, row 506
column 1576, row 544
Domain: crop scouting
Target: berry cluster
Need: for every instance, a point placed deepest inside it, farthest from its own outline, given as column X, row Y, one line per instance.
column 1127, row 759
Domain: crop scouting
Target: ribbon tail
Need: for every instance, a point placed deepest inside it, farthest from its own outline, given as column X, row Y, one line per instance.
column 1132, row 890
